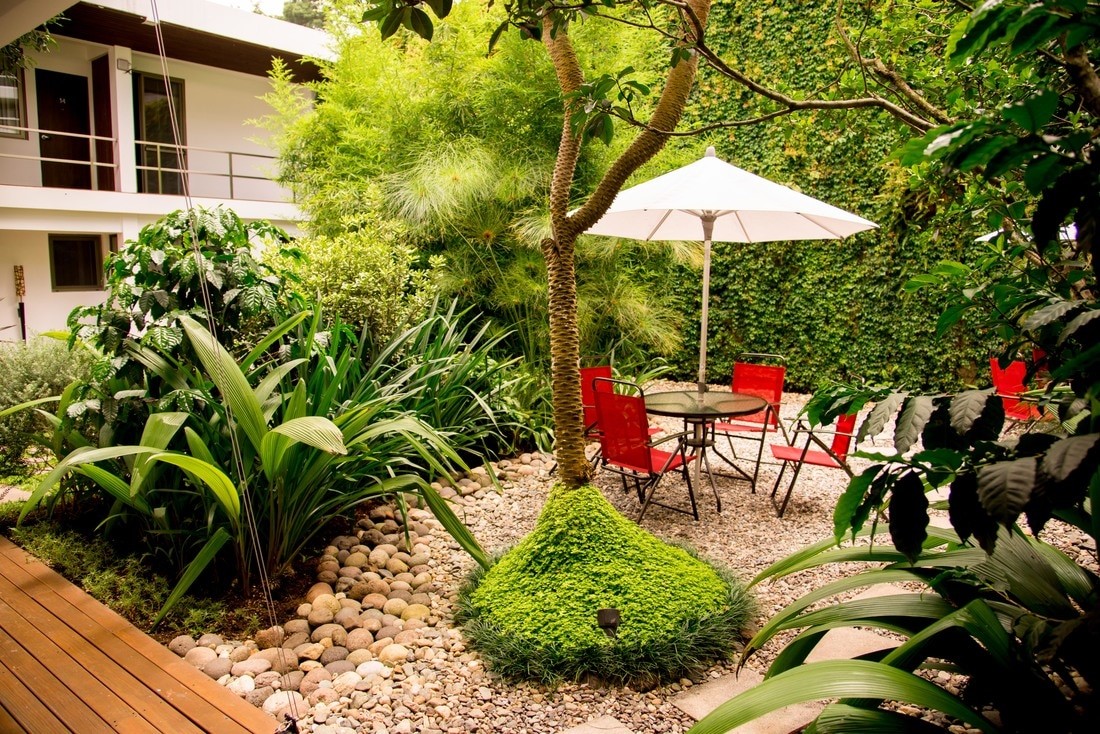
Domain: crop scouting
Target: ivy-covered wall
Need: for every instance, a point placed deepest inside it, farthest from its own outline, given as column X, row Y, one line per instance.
column 835, row 309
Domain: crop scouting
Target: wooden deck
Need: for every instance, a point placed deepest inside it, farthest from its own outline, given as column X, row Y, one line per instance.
column 70, row 664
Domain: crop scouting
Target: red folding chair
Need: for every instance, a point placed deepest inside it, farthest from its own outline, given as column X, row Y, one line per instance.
column 588, row 394
column 1008, row 382
column 764, row 381
column 626, row 449
column 834, row 456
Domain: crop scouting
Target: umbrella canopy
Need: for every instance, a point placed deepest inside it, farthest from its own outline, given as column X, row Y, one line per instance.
column 713, row 200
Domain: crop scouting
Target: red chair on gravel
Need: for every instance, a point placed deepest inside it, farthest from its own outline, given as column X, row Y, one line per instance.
column 588, row 395
column 761, row 375
column 834, row 456
column 1008, row 382
column 626, row 448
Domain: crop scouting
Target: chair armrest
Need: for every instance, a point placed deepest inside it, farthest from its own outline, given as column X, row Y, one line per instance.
column 666, row 439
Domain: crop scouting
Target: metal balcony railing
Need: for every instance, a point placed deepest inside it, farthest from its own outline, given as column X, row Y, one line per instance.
column 160, row 168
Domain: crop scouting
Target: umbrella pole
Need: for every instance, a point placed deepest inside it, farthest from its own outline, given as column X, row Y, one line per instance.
column 708, row 230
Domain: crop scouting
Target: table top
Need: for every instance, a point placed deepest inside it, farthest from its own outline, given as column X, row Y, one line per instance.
column 705, row 405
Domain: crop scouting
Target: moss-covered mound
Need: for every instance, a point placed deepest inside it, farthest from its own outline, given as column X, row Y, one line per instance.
column 533, row 614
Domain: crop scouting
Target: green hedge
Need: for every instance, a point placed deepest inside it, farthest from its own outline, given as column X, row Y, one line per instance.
column 835, row 308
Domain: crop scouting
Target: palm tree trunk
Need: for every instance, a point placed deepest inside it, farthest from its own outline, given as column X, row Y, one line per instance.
column 559, row 249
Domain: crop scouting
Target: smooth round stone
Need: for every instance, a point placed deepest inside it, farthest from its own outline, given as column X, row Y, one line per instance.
column 304, row 610
column 317, row 590
column 337, row 667
column 396, row 566
column 395, row 606
column 358, row 590
column 312, row 680
column 241, row 652
column 332, row 654
column 399, row 585
column 283, row 699
column 378, row 558
column 329, row 565
column 210, row 640
column 218, row 667
column 420, row 598
column 295, row 626
column 323, row 695
column 372, row 667
column 406, row 637
column 358, row 657
column 292, row 681
column 371, row 624
column 310, row 651
column 401, row 594
column 376, row 601
column 270, row 637
column 281, row 659
column 180, row 645
column 345, row 682
column 298, row 638
column 327, row 601
column 359, row 639
column 320, row 616
column 393, row 654
column 415, row 611
column 270, row 678
column 420, row 579
column 251, row 667
column 348, row 618
column 200, row 656
column 334, row 632
column 357, row 559
column 391, row 631
column 241, row 686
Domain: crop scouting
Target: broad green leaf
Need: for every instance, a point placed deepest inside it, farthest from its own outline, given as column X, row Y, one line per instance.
column 1005, row 487
column 1068, row 455
column 966, row 407
column 159, row 431
column 114, row 486
column 1049, row 314
column 455, row 527
column 1079, row 321
column 78, row 457
column 880, row 415
column 918, row 409
column 836, row 679
column 315, row 431
column 419, row 23
column 193, row 571
column 221, row 486
column 29, row 404
column 1033, row 113
column 908, row 514
column 272, row 337
column 841, row 718
column 850, row 500
column 229, row 378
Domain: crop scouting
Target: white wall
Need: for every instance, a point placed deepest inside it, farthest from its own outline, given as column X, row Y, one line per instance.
column 45, row 309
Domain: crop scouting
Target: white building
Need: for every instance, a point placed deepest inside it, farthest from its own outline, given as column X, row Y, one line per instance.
column 87, row 151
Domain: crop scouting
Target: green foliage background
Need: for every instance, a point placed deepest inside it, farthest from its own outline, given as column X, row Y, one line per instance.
column 836, row 309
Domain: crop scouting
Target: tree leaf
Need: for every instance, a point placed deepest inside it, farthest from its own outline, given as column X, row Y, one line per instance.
column 1068, row 455
column 966, row 407
column 909, row 515
column 918, row 409
column 846, row 506
column 193, row 571
column 1005, row 487
column 1049, row 314
column 1033, row 113
column 966, row 513
column 880, row 415
column 1079, row 321
column 419, row 23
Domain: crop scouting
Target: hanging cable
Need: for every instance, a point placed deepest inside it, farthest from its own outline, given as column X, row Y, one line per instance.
column 212, row 328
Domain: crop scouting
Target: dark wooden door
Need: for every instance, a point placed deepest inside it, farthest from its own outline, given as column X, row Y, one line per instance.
column 63, row 108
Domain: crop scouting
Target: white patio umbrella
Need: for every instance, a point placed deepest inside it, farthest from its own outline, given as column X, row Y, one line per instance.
column 723, row 203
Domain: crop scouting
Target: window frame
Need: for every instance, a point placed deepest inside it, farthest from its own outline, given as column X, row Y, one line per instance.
column 20, row 108
column 97, row 242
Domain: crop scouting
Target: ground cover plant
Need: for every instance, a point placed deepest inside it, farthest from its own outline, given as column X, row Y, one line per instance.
column 533, row 614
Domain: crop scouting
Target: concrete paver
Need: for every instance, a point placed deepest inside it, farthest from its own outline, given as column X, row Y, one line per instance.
column 602, row 725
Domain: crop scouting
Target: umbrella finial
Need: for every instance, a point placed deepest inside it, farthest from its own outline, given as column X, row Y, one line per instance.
column 710, row 152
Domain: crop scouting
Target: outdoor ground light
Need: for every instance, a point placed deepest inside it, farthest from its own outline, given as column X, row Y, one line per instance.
column 608, row 620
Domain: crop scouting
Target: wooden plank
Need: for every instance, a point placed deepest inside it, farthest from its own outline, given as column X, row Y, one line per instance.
column 81, row 668
column 31, row 713
column 65, row 704
column 8, row 724
column 167, row 676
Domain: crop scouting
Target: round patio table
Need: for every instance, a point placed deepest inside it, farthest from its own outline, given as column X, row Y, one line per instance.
column 698, row 410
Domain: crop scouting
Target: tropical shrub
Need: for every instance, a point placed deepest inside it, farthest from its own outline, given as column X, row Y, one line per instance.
column 256, row 461
column 171, row 269
column 532, row 615
column 365, row 276
column 37, row 369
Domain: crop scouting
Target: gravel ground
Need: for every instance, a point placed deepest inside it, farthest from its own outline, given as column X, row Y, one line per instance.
column 440, row 686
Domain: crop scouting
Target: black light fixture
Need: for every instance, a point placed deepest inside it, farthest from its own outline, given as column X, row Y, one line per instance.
column 608, row 620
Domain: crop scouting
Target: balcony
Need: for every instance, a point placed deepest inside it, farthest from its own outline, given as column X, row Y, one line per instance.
column 91, row 162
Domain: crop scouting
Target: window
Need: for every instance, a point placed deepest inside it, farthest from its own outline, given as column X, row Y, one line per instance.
column 161, row 163
column 76, row 262
column 12, row 107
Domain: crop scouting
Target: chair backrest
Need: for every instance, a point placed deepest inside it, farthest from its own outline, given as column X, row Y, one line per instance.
column 763, row 381
column 588, row 390
column 624, row 428
column 842, row 440
column 1009, row 380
